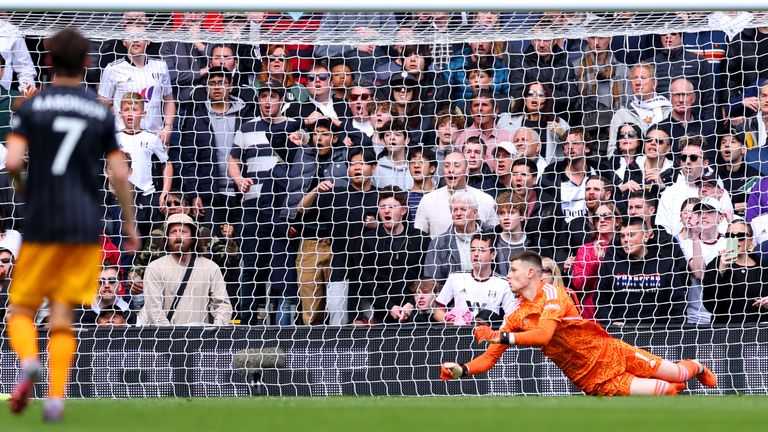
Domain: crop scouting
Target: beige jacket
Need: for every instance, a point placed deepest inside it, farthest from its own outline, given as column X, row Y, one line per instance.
column 205, row 292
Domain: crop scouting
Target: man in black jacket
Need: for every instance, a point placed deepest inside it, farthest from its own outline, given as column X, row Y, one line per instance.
column 275, row 251
column 673, row 61
column 566, row 182
column 322, row 102
column 643, row 204
column 641, row 283
column 393, row 255
column 541, row 211
column 688, row 117
column 205, row 146
column 350, row 211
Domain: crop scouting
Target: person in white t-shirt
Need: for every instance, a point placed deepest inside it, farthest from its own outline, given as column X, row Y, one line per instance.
column 141, row 146
column 144, row 75
column 694, row 169
column 17, row 59
column 701, row 247
column 479, row 295
column 433, row 216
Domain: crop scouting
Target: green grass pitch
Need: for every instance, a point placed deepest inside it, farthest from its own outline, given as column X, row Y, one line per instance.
column 395, row 414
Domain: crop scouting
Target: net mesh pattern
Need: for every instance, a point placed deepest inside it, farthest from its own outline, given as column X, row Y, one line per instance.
column 335, row 169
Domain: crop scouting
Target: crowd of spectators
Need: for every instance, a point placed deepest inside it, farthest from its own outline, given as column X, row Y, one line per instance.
column 367, row 184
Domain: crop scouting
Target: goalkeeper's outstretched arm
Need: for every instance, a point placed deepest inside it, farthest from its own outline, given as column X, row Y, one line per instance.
column 482, row 363
column 537, row 337
column 498, row 342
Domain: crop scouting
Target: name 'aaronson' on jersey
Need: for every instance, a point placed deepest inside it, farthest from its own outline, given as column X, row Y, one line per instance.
column 59, row 102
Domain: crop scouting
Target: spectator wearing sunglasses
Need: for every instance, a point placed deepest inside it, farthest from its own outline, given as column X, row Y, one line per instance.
column 358, row 125
column 277, row 67
column 321, row 101
column 419, row 91
column 701, row 247
column 736, row 283
column 651, row 170
column 106, row 298
column 687, row 184
column 630, row 146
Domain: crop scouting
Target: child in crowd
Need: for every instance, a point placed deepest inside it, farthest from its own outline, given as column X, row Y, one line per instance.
column 511, row 211
column 423, row 309
column 422, row 166
column 392, row 169
column 142, row 145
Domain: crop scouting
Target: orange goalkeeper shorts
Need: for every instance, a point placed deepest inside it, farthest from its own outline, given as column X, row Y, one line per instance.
column 65, row 273
column 626, row 362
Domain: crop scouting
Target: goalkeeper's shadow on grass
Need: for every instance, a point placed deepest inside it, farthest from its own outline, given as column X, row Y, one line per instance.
column 250, row 364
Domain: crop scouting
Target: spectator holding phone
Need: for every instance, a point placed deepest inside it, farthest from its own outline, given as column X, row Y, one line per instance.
column 701, row 248
column 735, row 283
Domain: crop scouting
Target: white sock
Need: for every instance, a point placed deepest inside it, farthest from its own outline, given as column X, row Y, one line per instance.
column 54, row 404
column 30, row 368
column 701, row 367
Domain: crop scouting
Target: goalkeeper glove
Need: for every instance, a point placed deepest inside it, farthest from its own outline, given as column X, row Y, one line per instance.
column 487, row 335
column 451, row 370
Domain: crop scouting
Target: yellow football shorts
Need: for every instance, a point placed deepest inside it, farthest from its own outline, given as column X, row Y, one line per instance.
column 65, row 273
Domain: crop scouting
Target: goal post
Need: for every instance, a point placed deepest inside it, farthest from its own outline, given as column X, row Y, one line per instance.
column 333, row 282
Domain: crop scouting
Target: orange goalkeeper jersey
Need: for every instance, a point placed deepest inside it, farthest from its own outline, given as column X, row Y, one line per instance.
column 579, row 347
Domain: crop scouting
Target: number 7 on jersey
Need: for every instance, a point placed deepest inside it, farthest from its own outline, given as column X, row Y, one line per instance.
column 73, row 128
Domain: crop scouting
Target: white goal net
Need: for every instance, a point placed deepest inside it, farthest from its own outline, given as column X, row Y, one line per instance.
column 355, row 184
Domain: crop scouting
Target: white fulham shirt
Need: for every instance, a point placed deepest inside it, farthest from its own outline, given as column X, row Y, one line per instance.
column 468, row 293
column 141, row 147
column 151, row 81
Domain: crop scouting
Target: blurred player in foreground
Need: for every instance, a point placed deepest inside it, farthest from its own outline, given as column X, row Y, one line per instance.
column 545, row 316
column 65, row 133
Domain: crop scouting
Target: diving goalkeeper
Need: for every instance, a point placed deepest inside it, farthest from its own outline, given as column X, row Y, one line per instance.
column 545, row 316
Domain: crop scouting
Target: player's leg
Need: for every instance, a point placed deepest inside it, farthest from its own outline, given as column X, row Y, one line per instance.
column 654, row 387
column 78, row 272
column 626, row 384
column 23, row 338
column 684, row 370
column 643, row 364
column 29, row 288
column 61, row 350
